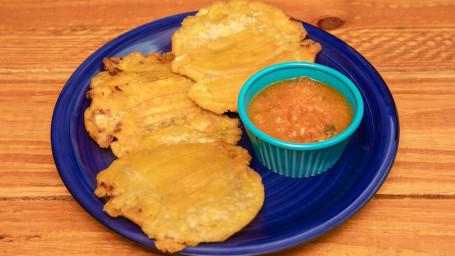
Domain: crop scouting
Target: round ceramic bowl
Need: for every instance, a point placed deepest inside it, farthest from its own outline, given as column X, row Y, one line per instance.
column 299, row 160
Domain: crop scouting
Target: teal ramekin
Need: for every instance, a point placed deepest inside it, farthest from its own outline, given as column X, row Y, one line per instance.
column 299, row 160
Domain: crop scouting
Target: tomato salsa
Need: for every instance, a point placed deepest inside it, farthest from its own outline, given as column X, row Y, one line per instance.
column 300, row 110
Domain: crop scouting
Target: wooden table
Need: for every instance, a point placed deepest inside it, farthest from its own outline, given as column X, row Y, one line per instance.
column 411, row 43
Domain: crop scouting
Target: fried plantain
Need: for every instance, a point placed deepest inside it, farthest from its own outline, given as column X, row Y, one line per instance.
column 224, row 44
column 137, row 96
column 183, row 194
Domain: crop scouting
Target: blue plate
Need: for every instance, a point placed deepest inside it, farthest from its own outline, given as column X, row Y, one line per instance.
column 295, row 210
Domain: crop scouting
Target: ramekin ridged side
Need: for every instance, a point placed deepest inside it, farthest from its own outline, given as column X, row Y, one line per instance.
column 294, row 163
column 299, row 160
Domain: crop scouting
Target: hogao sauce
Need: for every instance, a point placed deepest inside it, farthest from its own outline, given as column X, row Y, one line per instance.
column 300, row 110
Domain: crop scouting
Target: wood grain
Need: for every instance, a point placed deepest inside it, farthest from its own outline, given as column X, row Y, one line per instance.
column 385, row 227
column 410, row 43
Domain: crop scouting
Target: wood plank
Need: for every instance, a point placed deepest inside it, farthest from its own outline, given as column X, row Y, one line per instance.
column 397, row 49
column 390, row 49
column 391, row 227
column 424, row 103
column 64, row 37
column 57, row 227
column 67, row 13
column 27, row 100
column 382, row 227
column 426, row 155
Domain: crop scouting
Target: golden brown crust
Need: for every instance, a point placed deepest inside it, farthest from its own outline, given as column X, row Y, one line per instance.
column 183, row 194
column 226, row 43
column 138, row 96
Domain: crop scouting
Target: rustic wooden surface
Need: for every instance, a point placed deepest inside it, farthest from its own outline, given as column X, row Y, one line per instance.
column 411, row 44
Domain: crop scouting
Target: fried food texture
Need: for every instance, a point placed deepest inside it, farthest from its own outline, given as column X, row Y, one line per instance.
column 226, row 43
column 183, row 194
column 138, row 96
